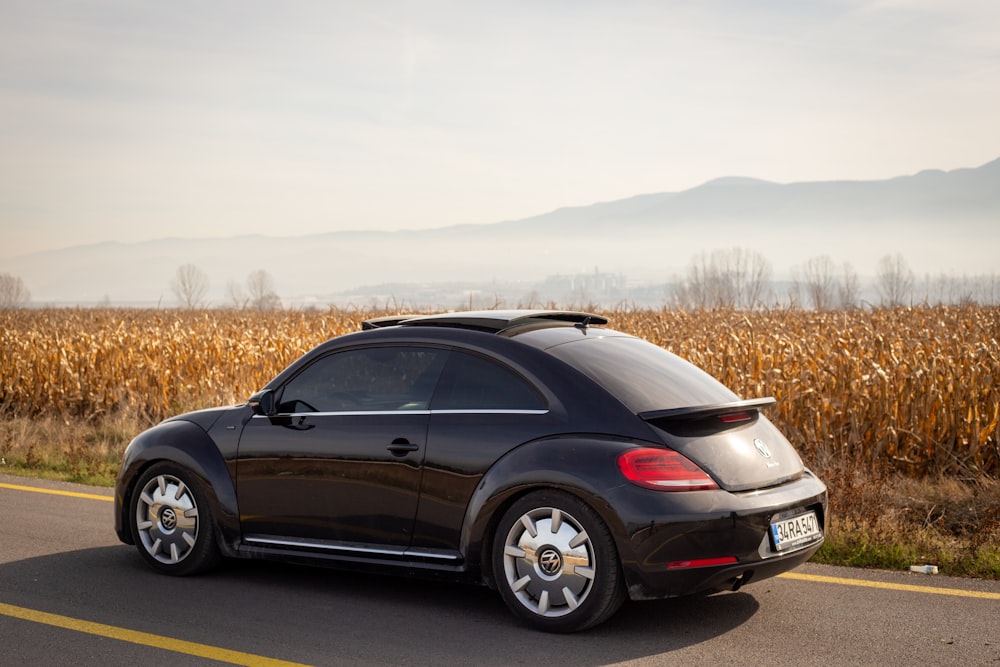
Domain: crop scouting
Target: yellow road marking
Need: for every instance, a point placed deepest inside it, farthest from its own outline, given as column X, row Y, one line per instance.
column 55, row 492
column 143, row 638
column 123, row 634
column 957, row 592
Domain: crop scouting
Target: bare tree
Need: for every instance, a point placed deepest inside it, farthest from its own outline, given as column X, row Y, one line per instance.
column 13, row 293
column 704, row 286
column 734, row 278
column 820, row 281
column 236, row 297
column 893, row 280
column 979, row 289
column 262, row 294
column 751, row 273
column 849, row 289
column 794, row 294
column 189, row 286
column 692, row 291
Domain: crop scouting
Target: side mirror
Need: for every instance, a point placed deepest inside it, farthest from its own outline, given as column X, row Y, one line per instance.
column 262, row 403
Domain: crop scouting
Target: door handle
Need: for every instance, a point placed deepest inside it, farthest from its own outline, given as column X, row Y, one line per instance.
column 402, row 447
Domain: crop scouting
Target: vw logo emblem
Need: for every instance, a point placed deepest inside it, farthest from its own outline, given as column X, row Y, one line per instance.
column 550, row 561
column 168, row 519
column 761, row 448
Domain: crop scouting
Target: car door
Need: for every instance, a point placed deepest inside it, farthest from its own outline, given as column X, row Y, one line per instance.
column 481, row 409
column 338, row 467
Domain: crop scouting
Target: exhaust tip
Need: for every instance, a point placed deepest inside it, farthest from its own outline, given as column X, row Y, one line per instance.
column 740, row 580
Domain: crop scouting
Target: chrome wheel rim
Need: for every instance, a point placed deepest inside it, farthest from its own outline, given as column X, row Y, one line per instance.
column 166, row 517
column 548, row 561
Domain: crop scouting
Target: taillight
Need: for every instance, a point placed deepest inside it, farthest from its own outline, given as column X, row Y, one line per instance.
column 702, row 562
column 663, row 470
column 735, row 417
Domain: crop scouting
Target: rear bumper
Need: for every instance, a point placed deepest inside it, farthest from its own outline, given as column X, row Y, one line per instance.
column 668, row 535
column 652, row 585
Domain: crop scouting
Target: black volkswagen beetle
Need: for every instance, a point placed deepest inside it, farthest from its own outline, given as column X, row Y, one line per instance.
column 568, row 465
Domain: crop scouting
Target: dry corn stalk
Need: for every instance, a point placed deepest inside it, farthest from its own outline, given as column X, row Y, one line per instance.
column 916, row 386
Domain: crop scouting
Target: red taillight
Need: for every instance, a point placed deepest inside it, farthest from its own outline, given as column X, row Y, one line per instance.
column 701, row 562
column 735, row 417
column 663, row 470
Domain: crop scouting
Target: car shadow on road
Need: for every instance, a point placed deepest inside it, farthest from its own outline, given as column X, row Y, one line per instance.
column 303, row 614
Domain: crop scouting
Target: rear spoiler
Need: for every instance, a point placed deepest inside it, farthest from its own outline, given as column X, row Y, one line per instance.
column 710, row 410
column 387, row 321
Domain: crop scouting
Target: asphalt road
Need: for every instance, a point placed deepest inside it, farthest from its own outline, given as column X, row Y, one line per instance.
column 71, row 594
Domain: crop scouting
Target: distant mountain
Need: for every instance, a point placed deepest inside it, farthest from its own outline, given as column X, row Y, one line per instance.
column 928, row 197
column 940, row 221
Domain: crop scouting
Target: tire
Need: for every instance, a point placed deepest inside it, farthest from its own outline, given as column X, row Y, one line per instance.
column 171, row 521
column 555, row 563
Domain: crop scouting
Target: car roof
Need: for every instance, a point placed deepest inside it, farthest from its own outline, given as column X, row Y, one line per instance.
column 490, row 321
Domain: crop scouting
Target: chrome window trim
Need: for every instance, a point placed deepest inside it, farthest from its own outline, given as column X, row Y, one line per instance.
column 488, row 411
column 384, row 413
column 348, row 413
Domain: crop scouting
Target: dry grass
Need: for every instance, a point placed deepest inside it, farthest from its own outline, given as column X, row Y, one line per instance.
column 87, row 452
column 898, row 410
column 889, row 520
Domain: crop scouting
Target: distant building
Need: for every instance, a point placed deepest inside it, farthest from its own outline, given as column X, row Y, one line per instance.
column 586, row 288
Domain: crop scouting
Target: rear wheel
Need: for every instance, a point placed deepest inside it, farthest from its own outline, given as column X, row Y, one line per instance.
column 172, row 522
column 555, row 563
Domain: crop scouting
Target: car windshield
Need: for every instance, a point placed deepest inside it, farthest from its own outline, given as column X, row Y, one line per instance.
column 641, row 375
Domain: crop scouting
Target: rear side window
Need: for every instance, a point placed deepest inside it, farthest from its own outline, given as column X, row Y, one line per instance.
column 641, row 375
column 474, row 383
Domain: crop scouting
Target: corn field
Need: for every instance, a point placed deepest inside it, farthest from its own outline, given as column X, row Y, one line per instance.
column 918, row 388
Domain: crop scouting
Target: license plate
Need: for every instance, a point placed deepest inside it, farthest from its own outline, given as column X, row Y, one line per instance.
column 795, row 531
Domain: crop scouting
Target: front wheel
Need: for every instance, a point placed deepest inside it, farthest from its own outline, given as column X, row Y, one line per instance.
column 172, row 522
column 555, row 563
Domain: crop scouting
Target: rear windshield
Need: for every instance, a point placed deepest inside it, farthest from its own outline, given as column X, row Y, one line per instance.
column 641, row 375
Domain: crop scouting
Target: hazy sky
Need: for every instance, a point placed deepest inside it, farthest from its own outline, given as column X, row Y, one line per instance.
column 129, row 121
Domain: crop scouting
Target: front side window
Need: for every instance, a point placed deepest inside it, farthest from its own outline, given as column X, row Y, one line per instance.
column 470, row 382
column 367, row 379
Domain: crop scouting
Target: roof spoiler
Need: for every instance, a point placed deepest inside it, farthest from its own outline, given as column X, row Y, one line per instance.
column 387, row 321
column 486, row 320
column 710, row 410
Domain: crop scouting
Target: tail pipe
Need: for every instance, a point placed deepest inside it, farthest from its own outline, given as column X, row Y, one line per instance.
column 739, row 580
